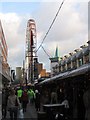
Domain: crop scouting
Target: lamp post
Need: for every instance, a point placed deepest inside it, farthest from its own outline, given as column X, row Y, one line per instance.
column 26, row 79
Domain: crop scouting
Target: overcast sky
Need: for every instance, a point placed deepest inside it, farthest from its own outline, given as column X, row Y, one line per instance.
column 69, row 31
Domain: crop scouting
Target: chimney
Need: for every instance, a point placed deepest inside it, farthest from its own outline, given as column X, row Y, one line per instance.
column 83, row 46
column 77, row 50
column 88, row 42
column 66, row 56
column 71, row 54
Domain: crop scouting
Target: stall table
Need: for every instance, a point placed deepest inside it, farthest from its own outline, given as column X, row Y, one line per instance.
column 53, row 109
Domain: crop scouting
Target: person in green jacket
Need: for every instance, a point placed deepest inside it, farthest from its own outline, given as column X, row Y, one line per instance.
column 31, row 95
column 19, row 94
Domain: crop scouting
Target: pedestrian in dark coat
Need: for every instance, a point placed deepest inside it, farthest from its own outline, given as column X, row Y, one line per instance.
column 86, row 99
column 5, row 94
column 24, row 100
column 13, row 104
column 37, row 100
column 53, row 97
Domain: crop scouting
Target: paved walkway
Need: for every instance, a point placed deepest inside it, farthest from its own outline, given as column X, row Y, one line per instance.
column 0, row 113
column 30, row 114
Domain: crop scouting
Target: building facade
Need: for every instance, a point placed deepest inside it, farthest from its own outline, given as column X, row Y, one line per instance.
column 19, row 73
column 4, row 66
column 72, row 61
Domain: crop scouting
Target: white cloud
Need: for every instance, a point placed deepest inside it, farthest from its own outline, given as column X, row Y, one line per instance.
column 70, row 29
column 15, row 40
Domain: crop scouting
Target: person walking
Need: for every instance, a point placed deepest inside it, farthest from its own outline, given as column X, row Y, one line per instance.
column 53, row 97
column 19, row 94
column 37, row 100
column 31, row 95
column 13, row 104
column 24, row 100
column 5, row 94
column 86, row 99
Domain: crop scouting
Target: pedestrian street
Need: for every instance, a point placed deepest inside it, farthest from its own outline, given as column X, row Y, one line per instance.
column 30, row 114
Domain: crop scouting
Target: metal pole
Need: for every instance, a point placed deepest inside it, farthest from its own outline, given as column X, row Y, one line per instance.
column 23, row 72
column 26, row 81
column 31, row 57
column 31, row 64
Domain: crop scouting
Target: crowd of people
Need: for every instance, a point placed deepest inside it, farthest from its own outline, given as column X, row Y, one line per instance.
column 14, row 99
column 77, row 105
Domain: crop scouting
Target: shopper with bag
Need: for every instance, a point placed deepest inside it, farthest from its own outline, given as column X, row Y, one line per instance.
column 13, row 105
